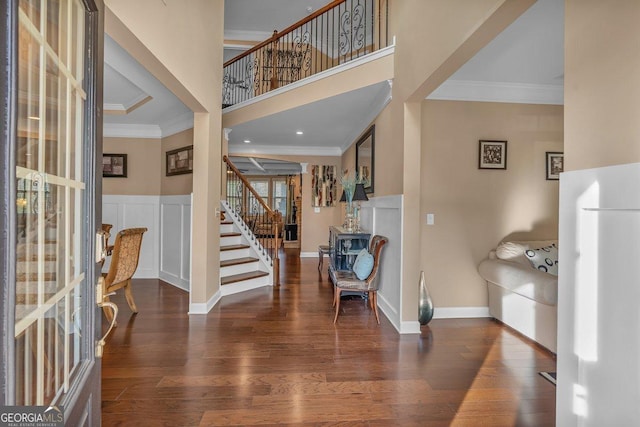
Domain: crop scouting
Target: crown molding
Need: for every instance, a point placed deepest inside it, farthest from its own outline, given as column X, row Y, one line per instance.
column 284, row 150
column 253, row 36
column 519, row 93
column 119, row 130
column 177, row 124
column 121, row 109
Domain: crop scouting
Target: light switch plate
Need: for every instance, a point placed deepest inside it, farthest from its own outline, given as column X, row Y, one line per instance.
column 316, row 210
column 430, row 219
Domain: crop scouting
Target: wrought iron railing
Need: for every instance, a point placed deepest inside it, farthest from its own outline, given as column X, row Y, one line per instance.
column 341, row 31
column 264, row 224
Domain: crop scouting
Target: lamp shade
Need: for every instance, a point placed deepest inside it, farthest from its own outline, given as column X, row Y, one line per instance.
column 359, row 194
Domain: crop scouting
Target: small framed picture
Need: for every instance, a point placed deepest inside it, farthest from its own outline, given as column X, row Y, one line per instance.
column 114, row 165
column 180, row 161
column 555, row 165
column 493, row 155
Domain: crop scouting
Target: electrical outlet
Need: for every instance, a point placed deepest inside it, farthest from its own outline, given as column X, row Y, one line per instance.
column 316, row 210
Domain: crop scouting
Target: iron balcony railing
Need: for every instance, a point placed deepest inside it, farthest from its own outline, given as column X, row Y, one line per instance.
column 341, row 31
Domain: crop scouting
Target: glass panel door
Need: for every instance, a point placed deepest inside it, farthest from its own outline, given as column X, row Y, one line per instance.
column 51, row 226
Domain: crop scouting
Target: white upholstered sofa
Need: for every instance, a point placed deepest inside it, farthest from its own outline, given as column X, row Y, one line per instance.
column 520, row 295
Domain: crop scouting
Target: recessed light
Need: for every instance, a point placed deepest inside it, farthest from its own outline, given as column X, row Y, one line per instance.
column 246, row 141
column 299, row 132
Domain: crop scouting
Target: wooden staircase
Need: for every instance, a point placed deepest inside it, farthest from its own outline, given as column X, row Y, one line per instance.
column 241, row 268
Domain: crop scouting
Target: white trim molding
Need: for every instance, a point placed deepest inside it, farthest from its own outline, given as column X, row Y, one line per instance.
column 204, row 308
column 249, row 36
column 175, row 240
column 518, row 93
column 124, row 211
column 121, row 130
column 308, row 254
column 177, row 124
column 460, row 312
column 285, row 149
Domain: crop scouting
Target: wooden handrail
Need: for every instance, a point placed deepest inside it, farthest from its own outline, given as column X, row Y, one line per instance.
column 276, row 35
column 249, row 187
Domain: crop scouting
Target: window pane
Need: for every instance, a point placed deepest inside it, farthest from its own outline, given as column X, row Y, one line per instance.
column 261, row 187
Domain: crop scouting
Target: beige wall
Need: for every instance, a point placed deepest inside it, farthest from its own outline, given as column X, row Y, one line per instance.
column 433, row 39
column 180, row 43
column 315, row 226
column 143, row 166
column 601, row 87
column 175, row 184
column 475, row 209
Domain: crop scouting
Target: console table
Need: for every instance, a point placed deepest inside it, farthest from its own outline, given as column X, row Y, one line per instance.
column 345, row 246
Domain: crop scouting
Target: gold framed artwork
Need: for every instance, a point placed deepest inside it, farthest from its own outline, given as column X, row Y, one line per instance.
column 180, row 161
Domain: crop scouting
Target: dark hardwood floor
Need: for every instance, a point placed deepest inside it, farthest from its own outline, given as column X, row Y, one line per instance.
column 273, row 356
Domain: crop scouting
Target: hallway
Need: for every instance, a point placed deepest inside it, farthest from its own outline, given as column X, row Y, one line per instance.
column 272, row 356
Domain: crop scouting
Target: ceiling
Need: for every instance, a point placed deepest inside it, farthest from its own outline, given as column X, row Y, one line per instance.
column 260, row 166
column 523, row 64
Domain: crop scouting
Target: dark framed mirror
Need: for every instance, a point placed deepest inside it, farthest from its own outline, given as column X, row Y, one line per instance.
column 365, row 158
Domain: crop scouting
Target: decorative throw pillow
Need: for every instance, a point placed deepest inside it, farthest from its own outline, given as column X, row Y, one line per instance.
column 544, row 259
column 363, row 265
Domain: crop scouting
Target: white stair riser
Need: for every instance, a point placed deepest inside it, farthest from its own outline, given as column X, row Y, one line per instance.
column 239, row 269
column 227, row 228
column 231, row 240
column 234, row 254
column 245, row 285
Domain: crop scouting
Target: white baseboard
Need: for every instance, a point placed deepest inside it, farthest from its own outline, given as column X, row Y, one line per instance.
column 174, row 281
column 204, row 308
column 308, row 254
column 389, row 312
column 410, row 327
column 460, row 312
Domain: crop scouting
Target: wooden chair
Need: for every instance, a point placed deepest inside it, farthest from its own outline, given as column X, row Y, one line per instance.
column 124, row 262
column 322, row 249
column 106, row 228
column 348, row 281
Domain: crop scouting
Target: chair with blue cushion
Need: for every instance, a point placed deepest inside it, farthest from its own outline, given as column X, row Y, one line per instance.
column 363, row 277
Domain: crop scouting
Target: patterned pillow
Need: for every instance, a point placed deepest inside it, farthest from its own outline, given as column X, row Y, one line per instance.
column 544, row 259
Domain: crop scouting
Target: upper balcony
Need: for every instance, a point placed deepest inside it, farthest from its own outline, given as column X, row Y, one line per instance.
column 335, row 35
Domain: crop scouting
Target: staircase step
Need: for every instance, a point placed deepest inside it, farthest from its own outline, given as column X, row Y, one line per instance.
column 238, row 261
column 235, row 234
column 233, row 247
column 244, row 276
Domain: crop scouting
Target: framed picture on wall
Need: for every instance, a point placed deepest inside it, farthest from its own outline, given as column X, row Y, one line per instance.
column 492, row 155
column 180, row 161
column 114, row 165
column 555, row 165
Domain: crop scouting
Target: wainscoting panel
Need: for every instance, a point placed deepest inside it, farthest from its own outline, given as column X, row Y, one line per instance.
column 175, row 242
column 135, row 211
column 383, row 215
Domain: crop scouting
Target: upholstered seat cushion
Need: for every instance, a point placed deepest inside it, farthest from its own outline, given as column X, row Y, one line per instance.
column 348, row 280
